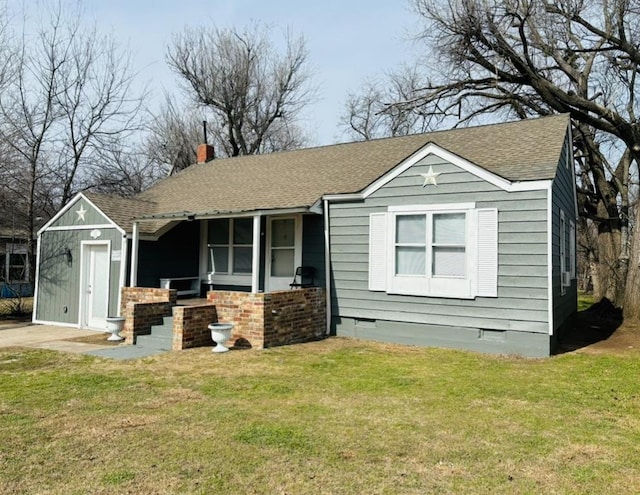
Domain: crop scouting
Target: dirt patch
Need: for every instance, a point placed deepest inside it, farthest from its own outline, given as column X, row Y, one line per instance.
column 98, row 338
column 600, row 329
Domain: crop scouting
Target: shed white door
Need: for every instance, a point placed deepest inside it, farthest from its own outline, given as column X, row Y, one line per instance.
column 95, row 286
column 284, row 253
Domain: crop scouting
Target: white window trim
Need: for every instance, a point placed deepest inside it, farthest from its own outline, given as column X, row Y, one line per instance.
column 481, row 249
column 429, row 285
column 565, row 274
column 572, row 249
column 225, row 278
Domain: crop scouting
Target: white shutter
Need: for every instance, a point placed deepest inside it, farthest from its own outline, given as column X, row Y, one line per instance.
column 487, row 275
column 378, row 251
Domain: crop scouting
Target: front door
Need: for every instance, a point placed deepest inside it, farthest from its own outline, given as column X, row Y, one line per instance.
column 95, row 286
column 284, row 241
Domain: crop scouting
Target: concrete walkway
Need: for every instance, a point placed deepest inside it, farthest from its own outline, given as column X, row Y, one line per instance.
column 55, row 338
column 47, row 337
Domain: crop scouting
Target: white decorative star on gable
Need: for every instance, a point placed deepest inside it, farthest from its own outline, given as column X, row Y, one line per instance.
column 430, row 177
column 81, row 213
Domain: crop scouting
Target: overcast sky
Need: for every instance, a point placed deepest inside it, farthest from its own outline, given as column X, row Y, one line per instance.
column 349, row 41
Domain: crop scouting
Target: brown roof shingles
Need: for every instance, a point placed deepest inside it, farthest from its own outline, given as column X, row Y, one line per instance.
column 517, row 151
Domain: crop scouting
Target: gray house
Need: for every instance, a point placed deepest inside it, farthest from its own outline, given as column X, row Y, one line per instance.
column 462, row 238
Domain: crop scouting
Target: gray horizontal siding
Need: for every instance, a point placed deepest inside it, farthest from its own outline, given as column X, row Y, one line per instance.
column 522, row 302
column 59, row 284
column 564, row 305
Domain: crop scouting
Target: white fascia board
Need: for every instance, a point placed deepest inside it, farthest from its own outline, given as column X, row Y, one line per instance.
column 550, row 294
column 120, row 229
column 573, row 170
column 85, row 227
column 434, row 149
column 61, row 212
column 181, row 216
column 68, row 206
column 343, row 197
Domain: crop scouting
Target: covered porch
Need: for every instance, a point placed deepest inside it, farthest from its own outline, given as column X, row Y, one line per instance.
column 234, row 268
column 243, row 251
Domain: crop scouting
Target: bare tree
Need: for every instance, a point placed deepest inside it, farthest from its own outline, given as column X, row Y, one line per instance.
column 69, row 98
column 253, row 92
column 173, row 136
column 527, row 57
column 369, row 115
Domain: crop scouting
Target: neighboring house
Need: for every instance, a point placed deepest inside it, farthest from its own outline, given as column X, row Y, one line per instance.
column 462, row 238
column 14, row 263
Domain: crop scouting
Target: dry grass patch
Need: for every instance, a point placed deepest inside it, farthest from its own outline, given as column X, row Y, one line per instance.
column 337, row 416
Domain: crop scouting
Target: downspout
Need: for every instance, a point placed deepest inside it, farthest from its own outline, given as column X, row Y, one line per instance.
column 123, row 270
column 327, row 265
column 255, row 261
column 133, row 277
column 36, row 284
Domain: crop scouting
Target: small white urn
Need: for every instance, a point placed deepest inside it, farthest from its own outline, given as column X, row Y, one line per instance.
column 220, row 333
column 115, row 325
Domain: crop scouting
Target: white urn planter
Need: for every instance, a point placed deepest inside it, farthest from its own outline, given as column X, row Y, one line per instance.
column 220, row 333
column 114, row 326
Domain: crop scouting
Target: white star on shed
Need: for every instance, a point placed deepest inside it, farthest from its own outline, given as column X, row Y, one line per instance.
column 430, row 177
column 81, row 213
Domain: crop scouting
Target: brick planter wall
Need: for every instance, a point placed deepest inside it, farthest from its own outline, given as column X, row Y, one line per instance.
column 191, row 326
column 294, row 316
column 146, row 295
column 143, row 307
column 271, row 319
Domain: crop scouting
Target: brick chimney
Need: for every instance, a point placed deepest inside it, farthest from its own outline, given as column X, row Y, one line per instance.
column 205, row 153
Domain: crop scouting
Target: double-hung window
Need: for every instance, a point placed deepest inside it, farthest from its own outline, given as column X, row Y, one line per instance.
column 230, row 246
column 440, row 251
column 567, row 252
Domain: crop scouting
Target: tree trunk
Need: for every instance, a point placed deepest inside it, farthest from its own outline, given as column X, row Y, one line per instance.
column 631, row 306
column 606, row 278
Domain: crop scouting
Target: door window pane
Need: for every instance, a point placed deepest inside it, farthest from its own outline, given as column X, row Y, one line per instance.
column 282, row 262
column 283, row 233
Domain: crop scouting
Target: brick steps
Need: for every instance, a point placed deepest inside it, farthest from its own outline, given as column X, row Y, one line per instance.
column 160, row 338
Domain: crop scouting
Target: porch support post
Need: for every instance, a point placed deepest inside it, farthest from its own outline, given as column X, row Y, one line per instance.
column 327, row 264
column 133, row 277
column 255, row 259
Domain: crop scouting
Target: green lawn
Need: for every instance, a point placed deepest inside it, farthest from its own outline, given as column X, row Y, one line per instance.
column 337, row 416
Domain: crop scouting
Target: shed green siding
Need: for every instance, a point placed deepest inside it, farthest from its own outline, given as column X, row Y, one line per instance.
column 70, row 218
column 58, row 285
column 523, row 297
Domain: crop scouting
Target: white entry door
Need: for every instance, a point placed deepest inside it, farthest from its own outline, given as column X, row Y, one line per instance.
column 94, row 292
column 284, row 253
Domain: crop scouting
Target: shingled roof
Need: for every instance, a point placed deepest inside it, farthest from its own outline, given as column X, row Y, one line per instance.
column 517, row 151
